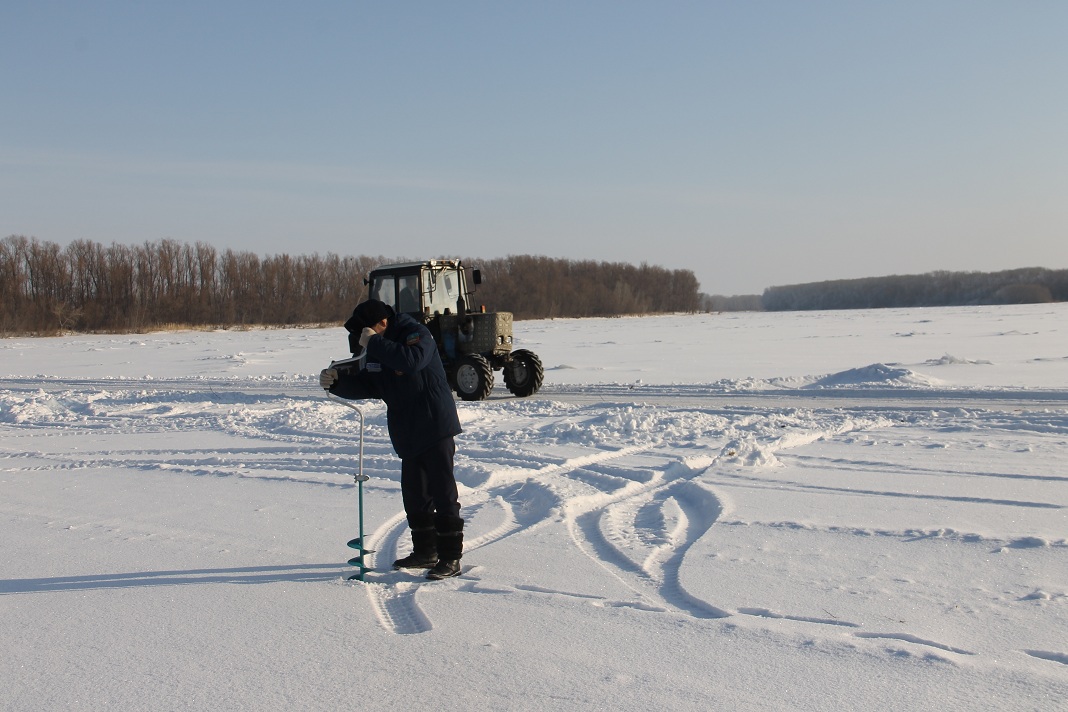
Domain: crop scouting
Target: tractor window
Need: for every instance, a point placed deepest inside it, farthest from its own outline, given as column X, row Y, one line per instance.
column 408, row 294
column 446, row 292
column 399, row 291
column 384, row 289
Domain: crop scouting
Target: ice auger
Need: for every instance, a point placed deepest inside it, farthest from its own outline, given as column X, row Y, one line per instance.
column 359, row 543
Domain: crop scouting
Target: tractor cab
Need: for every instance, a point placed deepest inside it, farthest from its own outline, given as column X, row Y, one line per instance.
column 425, row 289
column 472, row 344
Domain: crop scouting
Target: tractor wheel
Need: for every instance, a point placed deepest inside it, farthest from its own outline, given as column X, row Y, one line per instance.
column 523, row 374
column 473, row 377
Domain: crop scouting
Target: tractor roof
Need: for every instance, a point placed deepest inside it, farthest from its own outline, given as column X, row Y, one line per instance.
column 414, row 265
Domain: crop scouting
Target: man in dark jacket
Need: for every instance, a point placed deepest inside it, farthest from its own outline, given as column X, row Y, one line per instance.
column 401, row 366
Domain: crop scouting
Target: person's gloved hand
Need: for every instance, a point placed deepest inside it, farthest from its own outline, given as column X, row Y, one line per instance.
column 327, row 378
column 366, row 335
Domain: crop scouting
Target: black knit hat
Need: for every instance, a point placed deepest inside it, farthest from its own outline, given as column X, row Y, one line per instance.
column 368, row 314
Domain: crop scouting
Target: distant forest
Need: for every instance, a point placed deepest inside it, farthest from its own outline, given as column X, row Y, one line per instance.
column 85, row 286
column 936, row 289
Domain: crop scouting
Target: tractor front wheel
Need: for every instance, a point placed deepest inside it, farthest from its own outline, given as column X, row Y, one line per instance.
column 523, row 373
column 473, row 377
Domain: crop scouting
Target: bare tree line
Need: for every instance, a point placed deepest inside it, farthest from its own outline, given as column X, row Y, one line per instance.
column 543, row 287
column 85, row 286
column 736, row 302
column 1018, row 286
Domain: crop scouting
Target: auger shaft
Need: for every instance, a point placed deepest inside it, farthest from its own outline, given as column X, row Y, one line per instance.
column 358, row 543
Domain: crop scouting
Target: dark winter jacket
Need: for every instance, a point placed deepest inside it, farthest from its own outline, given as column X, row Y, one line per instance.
column 403, row 369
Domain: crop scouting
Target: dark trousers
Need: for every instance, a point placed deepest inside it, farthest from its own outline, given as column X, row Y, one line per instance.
column 428, row 486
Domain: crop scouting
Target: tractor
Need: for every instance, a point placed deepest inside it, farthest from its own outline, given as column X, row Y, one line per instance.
column 472, row 343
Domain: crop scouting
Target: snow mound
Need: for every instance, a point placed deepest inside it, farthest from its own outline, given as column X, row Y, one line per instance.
column 950, row 360
column 877, row 374
column 747, row 452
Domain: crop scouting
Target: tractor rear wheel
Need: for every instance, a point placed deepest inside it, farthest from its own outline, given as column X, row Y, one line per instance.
column 523, row 373
column 473, row 377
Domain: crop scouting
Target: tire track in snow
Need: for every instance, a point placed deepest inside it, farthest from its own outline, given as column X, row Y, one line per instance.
column 507, row 526
column 394, row 601
column 396, row 609
column 908, row 638
column 396, row 606
column 697, row 510
column 1061, row 658
column 700, row 510
column 658, row 577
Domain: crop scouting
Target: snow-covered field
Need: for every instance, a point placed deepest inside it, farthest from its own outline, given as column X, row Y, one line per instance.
column 791, row 511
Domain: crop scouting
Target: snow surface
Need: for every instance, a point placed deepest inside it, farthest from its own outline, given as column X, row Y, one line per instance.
column 798, row 511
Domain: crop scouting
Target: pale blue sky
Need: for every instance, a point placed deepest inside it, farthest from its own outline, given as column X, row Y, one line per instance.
column 756, row 143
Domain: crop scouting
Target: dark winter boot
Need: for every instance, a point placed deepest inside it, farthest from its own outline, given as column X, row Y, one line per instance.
column 424, row 544
column 450, row 546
